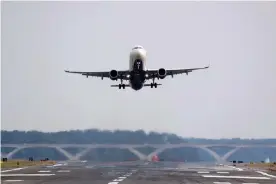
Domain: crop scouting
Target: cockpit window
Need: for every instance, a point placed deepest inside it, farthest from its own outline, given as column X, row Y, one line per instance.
column 137, row 47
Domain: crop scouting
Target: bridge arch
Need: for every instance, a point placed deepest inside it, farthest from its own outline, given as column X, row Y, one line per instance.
column 68, row 155
column 209, row 151
column 131, row 148
column 231, row 152
column 59, row 149
column 206, row 148
column 140, row 155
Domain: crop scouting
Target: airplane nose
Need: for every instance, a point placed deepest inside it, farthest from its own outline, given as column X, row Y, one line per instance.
column 140, row 53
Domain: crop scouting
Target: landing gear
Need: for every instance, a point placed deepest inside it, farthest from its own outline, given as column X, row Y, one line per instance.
column 122, row 86
column 153, row 83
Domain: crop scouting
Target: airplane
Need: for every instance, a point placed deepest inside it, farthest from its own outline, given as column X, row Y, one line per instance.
column 155, row 158
column 137, row 74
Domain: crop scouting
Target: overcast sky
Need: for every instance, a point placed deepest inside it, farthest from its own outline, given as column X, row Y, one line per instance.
column 235, row 97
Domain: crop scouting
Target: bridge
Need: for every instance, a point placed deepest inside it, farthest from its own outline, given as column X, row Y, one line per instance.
column 159, row 149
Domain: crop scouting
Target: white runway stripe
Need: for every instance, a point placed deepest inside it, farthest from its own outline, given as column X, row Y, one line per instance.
column 44, row 171
column 265, row 174
column 236, row 177
column 250, row 183
column 122, row 177
column 16, row 169
column 216, row 182
column 239, row 169
column 6, row 175
column 118, row 180
column 222, row 172
column 57, row 165
column 13, row 180
column 64, row 171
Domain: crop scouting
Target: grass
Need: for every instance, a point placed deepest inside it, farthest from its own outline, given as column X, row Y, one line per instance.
column 267, row 166
column 24, row 163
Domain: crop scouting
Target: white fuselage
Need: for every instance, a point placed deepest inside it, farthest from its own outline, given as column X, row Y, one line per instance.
column 137, row 67
column 137, row 54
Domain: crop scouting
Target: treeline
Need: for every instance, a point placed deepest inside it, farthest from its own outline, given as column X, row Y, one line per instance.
column 231, row 141
column 91, row 136
column 95, row 136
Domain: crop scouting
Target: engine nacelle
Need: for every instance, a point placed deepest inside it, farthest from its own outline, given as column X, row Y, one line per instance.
column 113, row 74
column 162, row 73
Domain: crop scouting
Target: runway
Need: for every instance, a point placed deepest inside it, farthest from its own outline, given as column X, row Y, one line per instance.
column 135, row 173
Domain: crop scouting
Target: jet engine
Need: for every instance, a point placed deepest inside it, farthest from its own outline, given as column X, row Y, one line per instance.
column 113, row 74
column 162, row 73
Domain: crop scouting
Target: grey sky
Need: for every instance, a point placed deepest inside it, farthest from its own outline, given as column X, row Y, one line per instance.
column 236, row 97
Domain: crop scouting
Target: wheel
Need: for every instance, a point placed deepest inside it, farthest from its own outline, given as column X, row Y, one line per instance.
column 124, row 86
column 155, row 85
column 151, row 85
column 120, row 86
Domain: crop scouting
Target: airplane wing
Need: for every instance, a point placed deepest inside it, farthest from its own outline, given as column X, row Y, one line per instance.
column 154, row 73
column 122, row 74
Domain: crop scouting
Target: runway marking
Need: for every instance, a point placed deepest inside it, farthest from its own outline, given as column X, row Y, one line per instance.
column 127, row 174
column 64, row 171
column 239, row 169
column 216, row 182
column 250, row 183
column 222, row 172
column 122, row 177
column 57, row 165
column 236, row 177
column 43, row 171
column 27, row 175
column 13, row 180
column 118, row 180
column 265, row 174
column 203, row 172
column 16, row 169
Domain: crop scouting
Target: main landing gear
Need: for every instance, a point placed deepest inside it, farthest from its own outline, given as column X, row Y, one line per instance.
column 153, row 84
column 122, row 85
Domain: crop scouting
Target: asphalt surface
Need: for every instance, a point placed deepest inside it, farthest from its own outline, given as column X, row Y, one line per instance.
column 136, row 173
